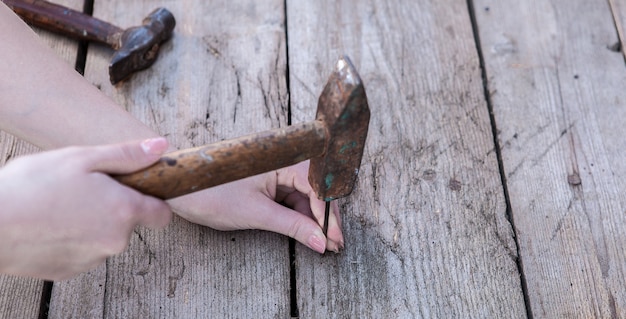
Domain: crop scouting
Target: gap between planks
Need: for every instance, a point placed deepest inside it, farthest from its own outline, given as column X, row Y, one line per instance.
column 494, row 129
column 79, row 66
column 293, row 292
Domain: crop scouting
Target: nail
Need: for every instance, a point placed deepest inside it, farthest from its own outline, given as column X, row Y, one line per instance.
column 154, row 146
column 317, row 244
column 340, row 248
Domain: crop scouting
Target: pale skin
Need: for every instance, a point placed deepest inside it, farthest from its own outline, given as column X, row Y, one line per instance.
column 81, row 215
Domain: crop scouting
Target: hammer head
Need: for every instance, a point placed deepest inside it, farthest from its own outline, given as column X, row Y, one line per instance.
column 139, row 46
column 343, row 107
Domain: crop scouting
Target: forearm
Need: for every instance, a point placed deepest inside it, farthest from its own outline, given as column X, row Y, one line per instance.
column 44, row 101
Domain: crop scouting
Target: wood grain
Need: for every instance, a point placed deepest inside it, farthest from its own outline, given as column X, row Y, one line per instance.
column 426, row 229
column 20, row 297
column 558, row 100
column 222, row 75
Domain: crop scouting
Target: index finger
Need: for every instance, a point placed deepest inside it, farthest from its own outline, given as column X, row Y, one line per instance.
column 295, row 178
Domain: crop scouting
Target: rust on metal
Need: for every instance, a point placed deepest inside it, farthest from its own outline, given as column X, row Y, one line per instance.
column 136, row 47
column 63, row 20
column 334, row 142
column 343, row 108
column 186, row 171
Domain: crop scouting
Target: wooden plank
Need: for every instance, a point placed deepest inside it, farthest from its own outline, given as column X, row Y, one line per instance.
column 558, row 100
column 618, row 9
column 20, row 297
column 221, row 76
column 426, row 228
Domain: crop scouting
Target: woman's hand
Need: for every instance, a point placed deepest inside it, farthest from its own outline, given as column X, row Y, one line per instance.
column 254, row 203
column 61, row 213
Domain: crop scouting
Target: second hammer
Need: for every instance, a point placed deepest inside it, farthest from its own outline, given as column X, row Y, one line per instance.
column 136, row 48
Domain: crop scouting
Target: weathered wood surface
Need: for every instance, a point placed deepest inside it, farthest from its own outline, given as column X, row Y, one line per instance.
column 222, row 75
column 426, row 229
column 558, row 99
column 20, row 297
column 427, row 233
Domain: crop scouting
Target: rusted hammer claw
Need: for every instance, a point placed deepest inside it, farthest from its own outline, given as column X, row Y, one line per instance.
column 136, row 47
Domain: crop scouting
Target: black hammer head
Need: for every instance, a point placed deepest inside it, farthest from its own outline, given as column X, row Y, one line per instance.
column 343, row 107
column 139, row 46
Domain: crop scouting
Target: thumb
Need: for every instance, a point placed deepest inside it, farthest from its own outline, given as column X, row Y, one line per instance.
column 127, row 157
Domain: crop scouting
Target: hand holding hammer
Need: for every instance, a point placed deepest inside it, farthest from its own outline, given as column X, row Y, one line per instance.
column 136, row 48
column 334, row 142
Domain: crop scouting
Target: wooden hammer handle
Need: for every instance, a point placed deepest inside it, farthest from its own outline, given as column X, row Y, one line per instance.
column 65, row 21
column 194, row 169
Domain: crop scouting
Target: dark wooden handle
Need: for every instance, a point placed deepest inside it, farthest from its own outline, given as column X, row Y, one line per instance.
column 65, row 21
column 194, row 169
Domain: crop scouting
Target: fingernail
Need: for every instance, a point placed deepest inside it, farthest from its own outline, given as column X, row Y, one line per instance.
column 154, row 146
column 317, row 244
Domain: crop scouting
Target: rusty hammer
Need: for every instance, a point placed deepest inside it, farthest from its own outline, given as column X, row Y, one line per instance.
column 136, row 47
column 334, row 142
